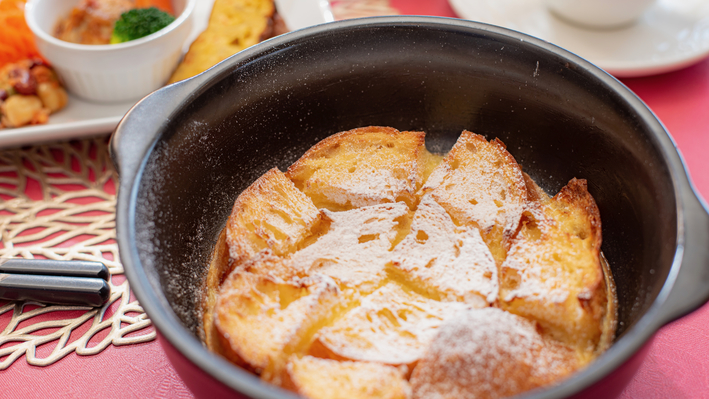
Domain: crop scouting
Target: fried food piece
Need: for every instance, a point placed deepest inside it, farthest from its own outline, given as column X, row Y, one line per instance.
column 20, row 110
column 53, row 96
column 362, row 167
column 480, row 184
column 329, row 379
column 270, row 213
column 391, row 326
column 553, row 273
column 446, row 261
column 261, row 322
column 488, row 353
column 29, row 93
column 233, row 26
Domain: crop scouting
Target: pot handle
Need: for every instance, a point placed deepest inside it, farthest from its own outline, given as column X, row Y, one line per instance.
column 129, row 143
column 691, row 288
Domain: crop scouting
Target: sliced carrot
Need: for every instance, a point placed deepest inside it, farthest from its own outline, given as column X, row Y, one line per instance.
column 165, row 5
column 16, row 39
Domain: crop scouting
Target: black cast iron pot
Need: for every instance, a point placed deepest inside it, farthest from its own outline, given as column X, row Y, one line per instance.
column 185, row 152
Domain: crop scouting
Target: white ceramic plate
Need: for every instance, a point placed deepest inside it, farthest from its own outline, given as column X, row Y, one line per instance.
column 671, row 35
column 81, row 118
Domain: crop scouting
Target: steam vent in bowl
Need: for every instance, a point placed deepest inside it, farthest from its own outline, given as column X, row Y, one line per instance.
column 374, row 268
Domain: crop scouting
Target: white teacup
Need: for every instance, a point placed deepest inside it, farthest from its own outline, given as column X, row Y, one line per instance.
column 599, row 13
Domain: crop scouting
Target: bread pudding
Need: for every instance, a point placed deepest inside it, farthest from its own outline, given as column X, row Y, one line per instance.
column 373, row 268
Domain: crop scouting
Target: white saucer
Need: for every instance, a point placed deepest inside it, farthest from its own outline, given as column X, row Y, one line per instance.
column 671, row 35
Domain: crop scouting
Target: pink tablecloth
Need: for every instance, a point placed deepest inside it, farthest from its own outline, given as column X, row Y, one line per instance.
column 678, row 362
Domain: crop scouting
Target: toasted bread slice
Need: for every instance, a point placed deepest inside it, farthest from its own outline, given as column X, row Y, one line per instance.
column 361, row 167
column 488, row 353
column 317, row 378
column 271, row 213
column 480, row 184
column 357, row 247
column 261, row 322
column 353, row 250
column 446, row 261
column 553, row 273
column 391, row 326
column 233, row 26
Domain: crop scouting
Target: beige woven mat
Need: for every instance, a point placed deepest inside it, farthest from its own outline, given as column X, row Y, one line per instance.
column 58, row 201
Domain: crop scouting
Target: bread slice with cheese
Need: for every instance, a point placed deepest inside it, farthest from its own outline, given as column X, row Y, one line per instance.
column 553, row 273
column 362, row 167
column 317, row 378
column 480, row 184
column 233, row 26
column 270, row 214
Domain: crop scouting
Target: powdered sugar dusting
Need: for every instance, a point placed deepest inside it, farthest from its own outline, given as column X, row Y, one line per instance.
column 390, row 326
column 486, row 353
column 526, row 258
column 430, row 304
column 454, row 261
column 356, row 248
column 477, row 183
column 534, row 262
column 367, row 187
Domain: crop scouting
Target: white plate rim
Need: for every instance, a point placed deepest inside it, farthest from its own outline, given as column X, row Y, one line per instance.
column 618, row 68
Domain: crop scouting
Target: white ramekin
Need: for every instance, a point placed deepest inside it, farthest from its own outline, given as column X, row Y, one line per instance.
column 111, row 72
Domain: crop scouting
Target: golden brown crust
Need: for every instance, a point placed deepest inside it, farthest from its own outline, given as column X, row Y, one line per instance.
column 360, row 167
column 252, row 307
column 270, row 214
column 576, row 198
column 553, row 274
column 233, row 26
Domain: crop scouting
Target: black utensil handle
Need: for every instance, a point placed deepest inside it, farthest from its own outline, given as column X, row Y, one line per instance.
column 691, row 288
column 50, row 267
column 54, row 289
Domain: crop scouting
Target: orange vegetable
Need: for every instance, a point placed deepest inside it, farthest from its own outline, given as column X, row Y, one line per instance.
column 16, row 40
column 165, row 5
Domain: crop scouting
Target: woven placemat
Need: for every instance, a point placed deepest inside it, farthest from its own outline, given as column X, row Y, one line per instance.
column 57, row 201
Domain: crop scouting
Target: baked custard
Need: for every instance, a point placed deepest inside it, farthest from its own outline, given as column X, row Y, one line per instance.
column 373, row 268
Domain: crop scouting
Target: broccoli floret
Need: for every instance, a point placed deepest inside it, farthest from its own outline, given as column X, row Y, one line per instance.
column 139, row 22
